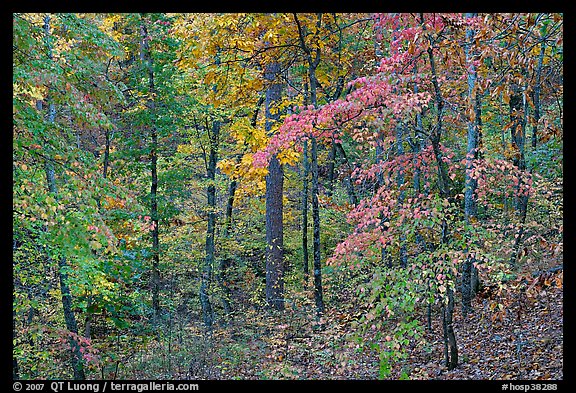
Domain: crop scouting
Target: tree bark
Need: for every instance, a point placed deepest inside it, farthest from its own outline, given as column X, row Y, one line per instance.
column 226, row 262
column 274, row 203
column 15, row 370
column 450, row 348
column 305, row 257
column 536, row 99
column 436, row 133
column 470, row 204
column 313, row 61
column 318, row 299
column 518, row 117
column 146, row 57
column 443, row 183
column 403, row 257
column 69, row 316
column 106, row 154
column 352, row 196
column 207, row 313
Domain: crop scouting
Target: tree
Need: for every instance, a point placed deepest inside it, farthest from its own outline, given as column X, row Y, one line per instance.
column 274, row 203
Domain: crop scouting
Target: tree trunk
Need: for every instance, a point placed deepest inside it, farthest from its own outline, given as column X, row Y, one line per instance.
column 146, row 57
column 69, row 316
column 352, row 196
column 274, row 203
column 313, row 62
column 416, row 146
column 444, row 185
column 305, row 257
column 15, row 370
column 450, row 348
column 403, row 257
column 536, row 99
column 106, row 154
column 207, row 313
column 436, row 133
column 518, row 117
column 226, row 262
column 316, row 240
column 70, row 319
column 470, row 204
column 331, row 169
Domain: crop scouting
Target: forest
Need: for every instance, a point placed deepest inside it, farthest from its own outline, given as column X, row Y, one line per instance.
column 287, row 196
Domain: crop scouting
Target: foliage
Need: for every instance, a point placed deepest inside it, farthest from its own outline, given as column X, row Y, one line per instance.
column 102, row 103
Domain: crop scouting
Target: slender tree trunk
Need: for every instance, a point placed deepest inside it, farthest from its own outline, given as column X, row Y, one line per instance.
column 146, row 57
column 274, row 203
column 416, row 146
column 450, row 348
column 107, row 134
column 15, row 370
column 470, row 204
column 331, row 169
column 226, row 262
column 519, row 118
column 436, row 134
column 313, row 62
column 536, row 99
column 70, row 320
column 333, row 148
column 352, row 196
column 403, row 257
column 385, row 257
column 444, row 185
column 69, row 316
column 207, row 313
column 316, row 239
column 305, row 257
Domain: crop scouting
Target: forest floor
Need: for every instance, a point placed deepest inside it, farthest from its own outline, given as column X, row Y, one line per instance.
column 513, row 333
column 510, row 335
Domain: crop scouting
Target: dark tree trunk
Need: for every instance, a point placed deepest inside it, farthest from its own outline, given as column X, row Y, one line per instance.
column 313, row 61
column 225, row 263
column 207, row 313
column 305, row 257
column 106, row 153
column 518, row 112
column 15, row 370
column 331, row 169
column 416, row 145
column 403, row 257
column 352, row 196
column 470, row 204
column 70, row 320
column 146, row 57
column 69, row 316
column 274, row 236
column 316, row 239
column 274, row 203
column 436, row 133
column 450, row 348
column 444, row 185
column 518, row 117
column 333, row 149
column 385, row 257
column 536, row 99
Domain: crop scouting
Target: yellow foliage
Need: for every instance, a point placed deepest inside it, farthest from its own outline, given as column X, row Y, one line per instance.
column 227, row 166
column 185, row 149
column 33, row 93
column 244, row 133
column 288, row 157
